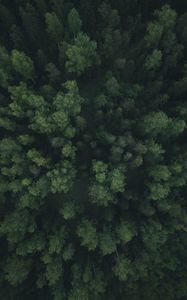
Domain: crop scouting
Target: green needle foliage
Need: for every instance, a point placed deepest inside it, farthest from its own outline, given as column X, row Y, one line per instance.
column 93, row 150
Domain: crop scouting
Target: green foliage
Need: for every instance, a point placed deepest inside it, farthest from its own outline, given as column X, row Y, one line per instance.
column 166, row 17
column 154, row 34
column 16, row 224
column 100, row 170
column 153, row 61
column 22, row 64
column 68, row 210
column 17, row 269
column 117, row 181
column 126, row 231
column 101, row 195
column 81, row 55
column 5, row 67
column 36, row 243
column 155, row 123
column 93, row 163
column 107, row 242
column 74, row 21
column 122, row 268
column 54, row 26
column 106, row 184
column 88, row 234
column 53, row 73
column 61, row 178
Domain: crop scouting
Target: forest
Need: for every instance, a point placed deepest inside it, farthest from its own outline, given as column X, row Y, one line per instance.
column 93, row 150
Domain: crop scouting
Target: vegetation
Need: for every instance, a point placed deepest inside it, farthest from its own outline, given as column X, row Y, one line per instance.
column 93, row 154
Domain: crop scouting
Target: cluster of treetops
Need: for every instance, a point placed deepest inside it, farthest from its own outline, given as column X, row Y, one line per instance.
column 93, row 150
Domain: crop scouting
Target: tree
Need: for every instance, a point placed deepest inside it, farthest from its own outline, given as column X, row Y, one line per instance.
column 154, row 60
column 22, row 64
column 88, row 234
column 17, row 269
column 74, row 22
column 107, row 242
column 93, row 154
column 126, row 231
column 54, row 27
column 5, row 69
column 122, row 268
column 81, row 55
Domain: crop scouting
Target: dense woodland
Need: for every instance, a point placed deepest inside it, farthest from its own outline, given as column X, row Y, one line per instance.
column 93, row 150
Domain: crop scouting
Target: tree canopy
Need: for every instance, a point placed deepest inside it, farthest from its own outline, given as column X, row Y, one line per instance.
column 93, row 154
